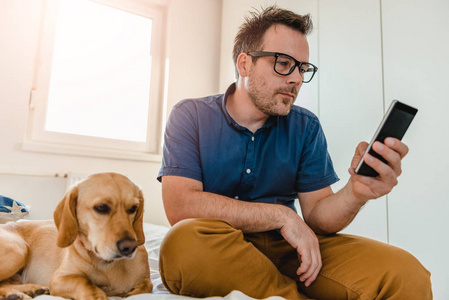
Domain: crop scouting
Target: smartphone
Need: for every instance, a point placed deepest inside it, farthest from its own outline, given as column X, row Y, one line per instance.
column 394, row 124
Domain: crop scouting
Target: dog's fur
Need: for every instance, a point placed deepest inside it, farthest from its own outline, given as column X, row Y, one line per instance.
column 94, row 251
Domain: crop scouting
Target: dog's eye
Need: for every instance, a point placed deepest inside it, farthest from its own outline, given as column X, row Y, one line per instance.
column 102, row 209
column 132, row 209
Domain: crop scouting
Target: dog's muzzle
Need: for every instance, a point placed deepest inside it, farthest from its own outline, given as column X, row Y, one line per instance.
column 127, row 246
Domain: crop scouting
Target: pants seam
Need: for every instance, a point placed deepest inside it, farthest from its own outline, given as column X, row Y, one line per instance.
column 184, row 292
column 344, row 283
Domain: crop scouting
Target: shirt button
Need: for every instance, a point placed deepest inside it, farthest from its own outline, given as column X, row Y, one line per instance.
column 236, row 197
column 252, row 138
column 248, row 171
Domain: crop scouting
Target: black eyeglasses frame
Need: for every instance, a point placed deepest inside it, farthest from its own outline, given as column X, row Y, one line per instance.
column 276, row 55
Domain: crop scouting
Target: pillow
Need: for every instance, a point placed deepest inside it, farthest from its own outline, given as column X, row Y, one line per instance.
column 11, row 210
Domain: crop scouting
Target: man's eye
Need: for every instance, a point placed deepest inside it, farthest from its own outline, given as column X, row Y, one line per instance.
column 102, row 209
column 306, row 69
column 132, row 209
column 283, row 62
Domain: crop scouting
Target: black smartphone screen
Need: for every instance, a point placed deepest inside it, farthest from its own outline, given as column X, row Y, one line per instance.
column 394, row 124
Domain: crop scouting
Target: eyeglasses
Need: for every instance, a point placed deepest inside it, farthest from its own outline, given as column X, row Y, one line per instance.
column 285, row 64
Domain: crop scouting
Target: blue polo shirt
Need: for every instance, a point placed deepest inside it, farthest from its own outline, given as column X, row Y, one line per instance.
column 286, row 156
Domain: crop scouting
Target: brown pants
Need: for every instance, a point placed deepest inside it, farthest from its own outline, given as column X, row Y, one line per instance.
column 206, row 257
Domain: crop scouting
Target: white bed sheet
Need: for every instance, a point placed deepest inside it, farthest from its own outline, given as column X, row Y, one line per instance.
column 154, row 235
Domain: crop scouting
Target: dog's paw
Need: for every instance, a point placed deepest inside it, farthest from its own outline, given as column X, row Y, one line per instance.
column 18, row 296
column 96, row 296
column 33, row 290
column 41, row 291
column 15, row 296
column 144, row 287
column 91, row 293
column 10, row 293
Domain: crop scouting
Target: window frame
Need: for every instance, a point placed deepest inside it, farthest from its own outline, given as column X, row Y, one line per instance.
column 39, row 139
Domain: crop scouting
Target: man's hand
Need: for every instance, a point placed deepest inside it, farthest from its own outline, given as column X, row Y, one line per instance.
column 366, row 188
column 303, row 239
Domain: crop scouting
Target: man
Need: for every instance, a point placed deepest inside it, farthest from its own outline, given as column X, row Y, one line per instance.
column 233, row 165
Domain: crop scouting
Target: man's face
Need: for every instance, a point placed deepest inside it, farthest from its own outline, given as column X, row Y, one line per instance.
column 271, row 93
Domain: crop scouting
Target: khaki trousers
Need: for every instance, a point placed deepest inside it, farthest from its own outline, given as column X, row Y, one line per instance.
column 207, row 257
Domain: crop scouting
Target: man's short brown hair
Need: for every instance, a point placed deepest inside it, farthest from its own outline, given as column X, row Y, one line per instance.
column 251, row 32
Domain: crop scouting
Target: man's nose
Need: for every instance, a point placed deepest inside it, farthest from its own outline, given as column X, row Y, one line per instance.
column 295, row 77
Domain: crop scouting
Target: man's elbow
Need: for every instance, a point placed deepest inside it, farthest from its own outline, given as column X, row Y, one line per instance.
column 173, row 218
column 179, row 197
column 323, row 228
column 176, row 210
column 174, row 214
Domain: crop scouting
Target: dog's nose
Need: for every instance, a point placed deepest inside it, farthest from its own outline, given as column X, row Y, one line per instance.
column 126, row 246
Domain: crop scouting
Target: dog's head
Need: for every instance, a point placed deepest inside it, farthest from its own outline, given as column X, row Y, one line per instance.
column 105, row 212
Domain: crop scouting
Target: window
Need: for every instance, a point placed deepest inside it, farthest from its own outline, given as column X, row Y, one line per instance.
column 98, row 87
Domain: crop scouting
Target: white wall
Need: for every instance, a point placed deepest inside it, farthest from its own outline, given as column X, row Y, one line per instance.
column 351, row 95
column 193, row 51
column 416, row 47
column 369, row 53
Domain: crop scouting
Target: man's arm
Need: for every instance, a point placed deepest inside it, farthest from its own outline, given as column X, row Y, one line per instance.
column 326, row 212
column 184, row 198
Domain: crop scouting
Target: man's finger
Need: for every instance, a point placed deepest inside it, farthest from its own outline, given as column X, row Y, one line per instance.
column 313, row 271
column 397, row 146
column 393, row 158
column 305, row 260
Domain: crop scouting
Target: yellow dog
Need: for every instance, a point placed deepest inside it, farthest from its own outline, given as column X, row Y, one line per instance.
column 94, row 251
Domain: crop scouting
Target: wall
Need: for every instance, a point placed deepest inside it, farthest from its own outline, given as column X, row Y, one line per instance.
column 369, row 53
column 193, row 72
column 416, row 63
column 351, row 95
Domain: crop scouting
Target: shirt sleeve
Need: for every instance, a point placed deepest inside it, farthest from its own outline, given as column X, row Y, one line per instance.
column 316, row 170
column 181, row 151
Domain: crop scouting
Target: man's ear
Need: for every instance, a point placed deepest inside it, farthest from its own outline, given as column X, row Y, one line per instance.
column 244, row 62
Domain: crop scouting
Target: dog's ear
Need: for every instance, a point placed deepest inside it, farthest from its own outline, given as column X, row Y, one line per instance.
column 138, row 221
column 65, row 219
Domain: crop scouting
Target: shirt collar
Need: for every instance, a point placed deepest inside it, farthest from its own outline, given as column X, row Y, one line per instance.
column 271, row 121
column 224, row 100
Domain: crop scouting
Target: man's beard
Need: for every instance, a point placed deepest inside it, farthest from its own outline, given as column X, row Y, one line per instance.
column 266, row 103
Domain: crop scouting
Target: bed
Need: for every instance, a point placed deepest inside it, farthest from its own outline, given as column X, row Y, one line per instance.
column 153, row 236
